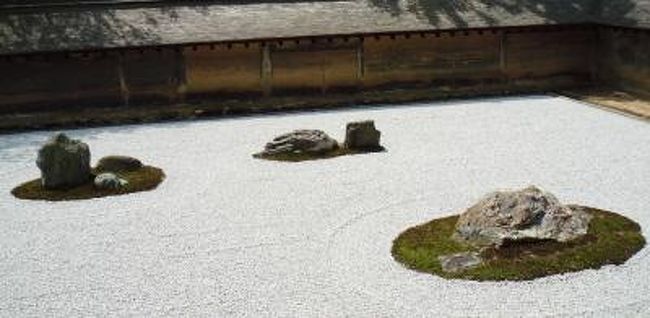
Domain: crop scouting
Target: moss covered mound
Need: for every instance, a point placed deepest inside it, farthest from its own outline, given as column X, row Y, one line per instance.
column 143, row 179
column 612, row 239
column 306, row 156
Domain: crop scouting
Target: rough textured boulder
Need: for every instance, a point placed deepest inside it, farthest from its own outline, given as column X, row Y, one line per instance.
column 362, row 135
column 64, row 162
column 300, row 141
column 118, row 163
column 109, row 181
column 460, row 261
column 528, row 214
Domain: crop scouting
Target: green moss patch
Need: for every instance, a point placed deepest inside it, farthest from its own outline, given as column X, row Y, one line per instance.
column 306, row 156
column 611, row 239
column 143, row 179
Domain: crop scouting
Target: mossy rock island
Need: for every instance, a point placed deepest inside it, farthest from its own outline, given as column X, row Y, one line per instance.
column 66, row 174
column 312, row 144
column 519, row 235
column 143, row 179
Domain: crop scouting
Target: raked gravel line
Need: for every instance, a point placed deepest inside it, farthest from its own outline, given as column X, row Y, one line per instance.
column 229, row 235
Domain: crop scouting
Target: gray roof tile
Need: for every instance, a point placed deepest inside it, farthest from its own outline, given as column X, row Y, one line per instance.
column 108, row 27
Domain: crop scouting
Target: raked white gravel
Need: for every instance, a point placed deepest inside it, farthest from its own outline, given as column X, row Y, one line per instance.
column 229, row 235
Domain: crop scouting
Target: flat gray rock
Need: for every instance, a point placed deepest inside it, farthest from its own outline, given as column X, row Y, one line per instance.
column 64, row 162
column 459, row 261
column 300, row 141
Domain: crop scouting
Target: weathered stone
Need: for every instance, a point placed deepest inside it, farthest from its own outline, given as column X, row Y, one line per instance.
column 118, row 163
column 64, row 162
column 300, row 141
column 362, row 135
column 460, row 261
column 528, row 214
column 109, row 181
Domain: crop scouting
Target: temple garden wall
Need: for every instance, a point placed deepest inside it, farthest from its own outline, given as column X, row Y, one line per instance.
column 624, row 61
column 466, row 63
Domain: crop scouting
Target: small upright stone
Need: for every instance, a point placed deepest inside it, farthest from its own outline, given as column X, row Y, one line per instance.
column 109, row 181
column 118, row 163
column 64, row 162
column 362, row 135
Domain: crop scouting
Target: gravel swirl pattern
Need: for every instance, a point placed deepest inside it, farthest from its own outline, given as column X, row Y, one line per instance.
column 228, row 235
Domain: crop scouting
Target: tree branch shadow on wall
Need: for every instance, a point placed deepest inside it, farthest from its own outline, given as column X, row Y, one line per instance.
column 468, row 13
column 79, row 29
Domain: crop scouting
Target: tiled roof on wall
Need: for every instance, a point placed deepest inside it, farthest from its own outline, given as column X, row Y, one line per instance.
column 91, row 27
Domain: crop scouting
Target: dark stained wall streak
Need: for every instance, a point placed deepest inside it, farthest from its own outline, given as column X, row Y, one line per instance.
column 59, row 80
column 151, row 76
column 314, row 66
column 550, row 59
column 439, row 59
column 222, row 70
column 624, row 59
column 397, row 60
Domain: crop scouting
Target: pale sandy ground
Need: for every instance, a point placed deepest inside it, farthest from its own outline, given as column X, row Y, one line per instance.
column 228, row 235
column 619, row 101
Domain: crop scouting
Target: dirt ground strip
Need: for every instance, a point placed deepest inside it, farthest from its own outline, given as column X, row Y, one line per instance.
column 621, row 101
column 79, row 117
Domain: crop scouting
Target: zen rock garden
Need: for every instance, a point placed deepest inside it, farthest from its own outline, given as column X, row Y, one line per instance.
column 518, row 235
column 417, row 230
column 66, row 173
column 507, row 235
column 304, row 144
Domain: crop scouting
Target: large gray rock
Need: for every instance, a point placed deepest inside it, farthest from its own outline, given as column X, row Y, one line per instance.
column 528, row 214
column 109, row 181
column 64, row 162
column 300, row 141
column 118, row 163
column 362, row 135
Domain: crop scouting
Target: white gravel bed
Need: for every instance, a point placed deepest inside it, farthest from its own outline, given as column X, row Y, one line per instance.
column 229, row 235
